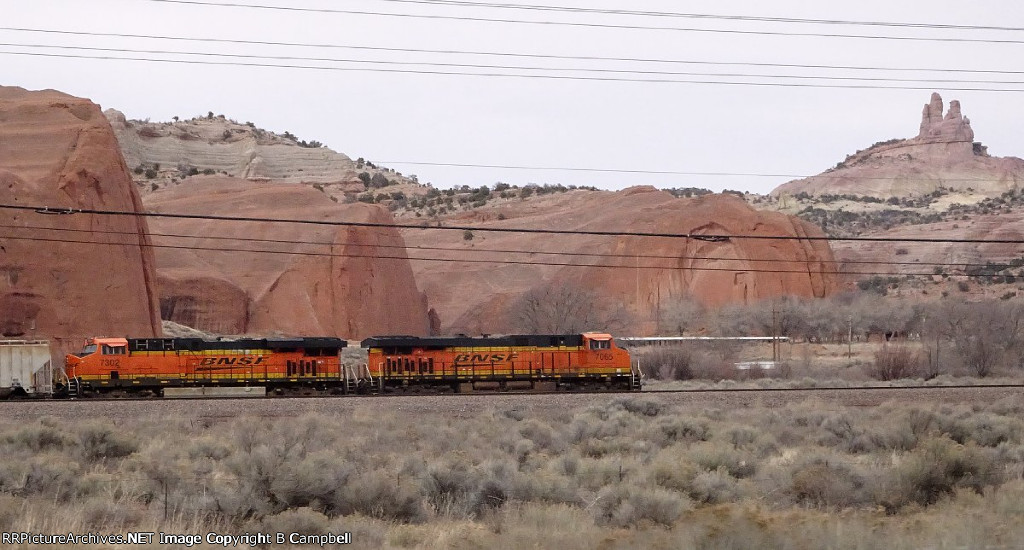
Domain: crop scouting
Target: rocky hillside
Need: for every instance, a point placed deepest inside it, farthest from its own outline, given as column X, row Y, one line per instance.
column 162, row 154
column 68, row 277
column 943, row 157
column 939, row 184
column 214, row 164
column 285, row 278
column 642, row 276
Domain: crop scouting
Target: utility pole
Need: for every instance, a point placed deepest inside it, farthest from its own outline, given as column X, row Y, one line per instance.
column 849, row 339
column 775, row 336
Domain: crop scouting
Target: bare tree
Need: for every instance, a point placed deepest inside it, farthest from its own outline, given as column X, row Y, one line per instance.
column 681, row 316
column 566, row 308
column 984, row 335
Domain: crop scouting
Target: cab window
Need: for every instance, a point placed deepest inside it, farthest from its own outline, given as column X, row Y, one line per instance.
column 600, row 344
column 113, row 350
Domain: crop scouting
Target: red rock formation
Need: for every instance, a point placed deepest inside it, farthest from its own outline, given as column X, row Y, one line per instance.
column 351, row 282
column 482, row 296
column 944, row 154
column 67, row 277
column 953, row 128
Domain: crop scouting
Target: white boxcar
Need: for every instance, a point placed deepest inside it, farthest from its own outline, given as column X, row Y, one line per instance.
column 25, row 366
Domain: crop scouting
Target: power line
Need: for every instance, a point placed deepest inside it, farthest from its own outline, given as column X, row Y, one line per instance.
column 518, row 67
column 589, row 25
column 633, row 267
column 605, row 11
column 476, row 250
column 506, row 54
column 512, row 75
column 708, row 237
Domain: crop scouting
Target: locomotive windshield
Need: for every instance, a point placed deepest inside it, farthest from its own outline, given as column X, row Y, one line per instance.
column 87, row 350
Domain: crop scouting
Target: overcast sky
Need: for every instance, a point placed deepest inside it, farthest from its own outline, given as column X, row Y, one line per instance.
column 393, row 117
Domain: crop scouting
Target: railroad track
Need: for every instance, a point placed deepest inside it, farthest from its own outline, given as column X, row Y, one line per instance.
column 452, row 407
column 492, row 394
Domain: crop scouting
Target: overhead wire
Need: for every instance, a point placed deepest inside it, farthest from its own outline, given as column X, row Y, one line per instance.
column 436, row 17
column 710, row 237
column 479, row 250
column 756, row 18
column 503, row 54
column 508, row 75
column 532, row 263
column 517, row 67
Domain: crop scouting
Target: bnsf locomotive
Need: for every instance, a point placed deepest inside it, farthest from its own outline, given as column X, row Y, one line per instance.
column 115, row 365
column 589, row 361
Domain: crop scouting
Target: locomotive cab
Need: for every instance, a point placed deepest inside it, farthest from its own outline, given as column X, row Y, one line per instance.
column 98, row 355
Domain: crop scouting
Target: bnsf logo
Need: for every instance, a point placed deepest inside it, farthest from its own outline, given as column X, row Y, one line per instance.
column 231, row 361
column 484, row 357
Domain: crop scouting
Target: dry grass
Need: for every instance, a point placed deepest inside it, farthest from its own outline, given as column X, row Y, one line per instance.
column 622, row 472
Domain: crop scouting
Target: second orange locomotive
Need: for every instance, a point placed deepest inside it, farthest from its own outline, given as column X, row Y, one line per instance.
column 539, row 362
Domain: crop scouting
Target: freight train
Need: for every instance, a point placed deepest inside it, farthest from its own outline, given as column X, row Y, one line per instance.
column 313, row 366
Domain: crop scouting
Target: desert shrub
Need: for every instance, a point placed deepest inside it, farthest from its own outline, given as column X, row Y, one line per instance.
column 377, row 494
column 839, row 431
column 40, row 476
column 714, row 487
column 935, row 469
column 671, row 470
column 541, row 435
column 640, row 406
column 304, row 521
column 894, row 362
column 596, row 473
column 741, row 437
column 98, row 442
column 825, row 482
column 984, row 429
column 208, row 447
column 713, row 455
column 450, row 489
column 38, row 438
column 668, row 364
column 9, row 513
column 675, row 428
column 314, row 479
column 746, row 528
column 102, row 513
column 713, row 365
column 622, row 506
column 543, row 486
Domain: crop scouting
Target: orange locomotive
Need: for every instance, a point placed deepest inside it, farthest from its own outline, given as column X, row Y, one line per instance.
column 151, row 364
column 588, row 361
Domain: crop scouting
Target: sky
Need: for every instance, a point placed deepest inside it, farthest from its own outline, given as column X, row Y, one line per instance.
column 598, row 128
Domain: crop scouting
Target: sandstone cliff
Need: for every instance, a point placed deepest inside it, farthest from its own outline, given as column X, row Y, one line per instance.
column 68, row 277
column 485, row 296
column 164, row 153
column 943, row 155
column 351, row 282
